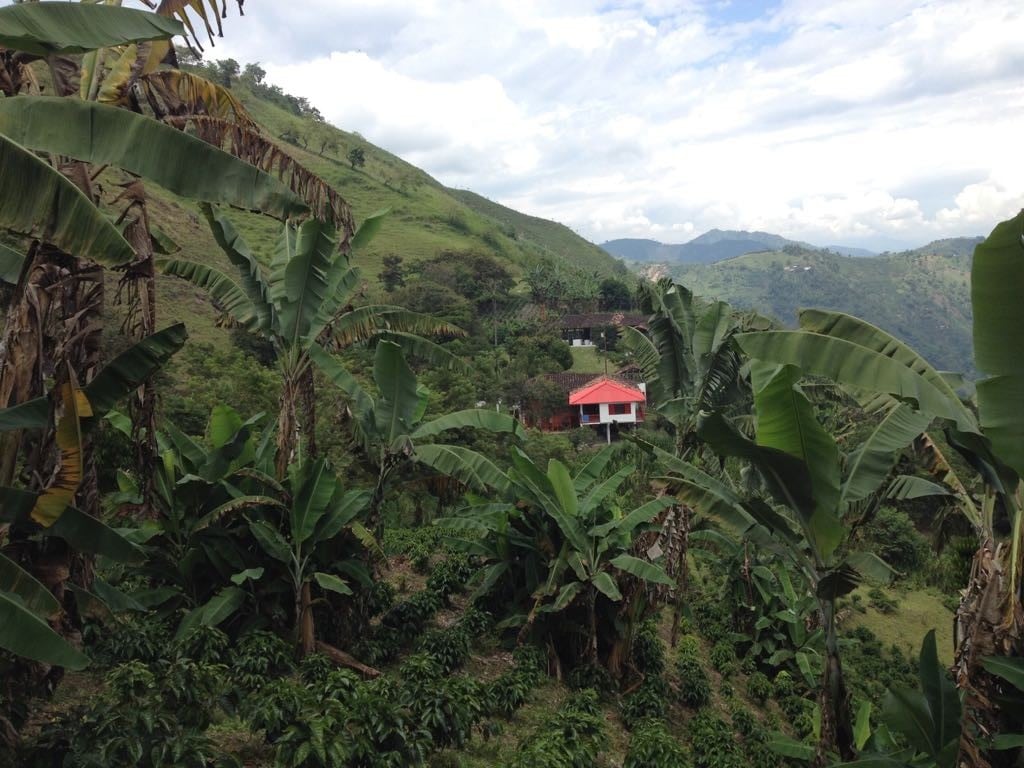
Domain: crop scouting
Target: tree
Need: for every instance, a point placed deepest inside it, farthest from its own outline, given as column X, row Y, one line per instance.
column 688, row 358
column 304, row 300
column 316, row 508
column 356, row 157
column 884, row 369
column 391, row 434
column 615, row 294
column 393, row 275
column 75, row 239
column 558, row 543
column 25, row 604
column 227, row 71
column 817, row 497
column 253, row 74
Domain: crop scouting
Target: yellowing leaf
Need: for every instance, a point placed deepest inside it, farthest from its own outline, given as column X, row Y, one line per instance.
column 54, row 500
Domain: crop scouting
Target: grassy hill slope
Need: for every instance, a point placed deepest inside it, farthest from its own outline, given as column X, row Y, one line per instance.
column 922, row 296
column 541, row 236
column 426, row 217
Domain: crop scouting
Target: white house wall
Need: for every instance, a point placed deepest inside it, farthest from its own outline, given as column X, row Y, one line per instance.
column 625, row 418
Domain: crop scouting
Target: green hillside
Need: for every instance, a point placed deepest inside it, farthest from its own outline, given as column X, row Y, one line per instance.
column 426, row 218
column 922, row 296
column 543, row 236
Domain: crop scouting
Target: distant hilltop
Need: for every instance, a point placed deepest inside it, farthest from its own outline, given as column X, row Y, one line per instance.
column 714, row 245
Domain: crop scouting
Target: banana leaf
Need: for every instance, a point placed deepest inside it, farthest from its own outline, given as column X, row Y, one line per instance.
column 25, row 634
column 177, row 161
column 48, row 28
column 35, row 199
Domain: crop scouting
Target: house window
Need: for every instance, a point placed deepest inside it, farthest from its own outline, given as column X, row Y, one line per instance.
column 619, row 409
column 591, row 410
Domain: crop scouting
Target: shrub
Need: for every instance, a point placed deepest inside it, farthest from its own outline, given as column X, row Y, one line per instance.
column 694, row 688
column 532, row 660
column 205, row 644
column 134, row 637
column 592, row 676
column 648, row 651
column 315, row 739
column 448, row 709
column 315, row 668
column 759, row 687
column 652, row 746
column 891, row 535
column 409, row 617
column 275, row 706
column 381, row 731
column 574, row 738
column 783, row 685
column 648, row 702
column 450, row 647
column 881, row 602
column 476, row 621
column 258, row 657
column 714, row 744
column 143, row 719
column 450, row 575
column 723, row 657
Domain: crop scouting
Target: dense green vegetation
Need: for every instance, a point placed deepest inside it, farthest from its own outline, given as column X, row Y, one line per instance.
column 323, row 540
column 922, row 296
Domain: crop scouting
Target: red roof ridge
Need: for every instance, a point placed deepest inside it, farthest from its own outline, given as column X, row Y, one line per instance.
column 632, row 393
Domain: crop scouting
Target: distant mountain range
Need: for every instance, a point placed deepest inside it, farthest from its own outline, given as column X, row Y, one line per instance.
column 921, row 295
column 714, row 245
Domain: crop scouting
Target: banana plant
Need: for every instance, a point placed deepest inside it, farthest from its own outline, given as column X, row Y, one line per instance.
column 392, row 434
column 688, row 357
column 304, row 300
column 868, row 360
column 195, row 558
column 295, row 524
column 817, row 499
column 26, row 604
column 562, row 543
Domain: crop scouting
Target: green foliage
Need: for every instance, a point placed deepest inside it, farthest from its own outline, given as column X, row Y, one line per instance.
column 449, row 647
column 204, row 644
column 714, row 745
column 648, row 651
column 450, row 575
column 694, row 689
column 648, row 702
column 759, row 687
column 652, row 746
column 592, row 676
column 723, row 657
column 891, row 535
column 132, row 637
column 881, row 602
column 573, row 738
column 275, row 706
column 783, row 685
column 258, row 657
column 151, row 717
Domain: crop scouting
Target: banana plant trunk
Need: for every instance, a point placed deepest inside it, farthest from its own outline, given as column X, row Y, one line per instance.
column 834, row 700
column 296, row 417
column 304, row 628
column 139, row 283
column 978, row 619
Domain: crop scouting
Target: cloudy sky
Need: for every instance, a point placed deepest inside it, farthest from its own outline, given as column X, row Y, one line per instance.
column 867, row 122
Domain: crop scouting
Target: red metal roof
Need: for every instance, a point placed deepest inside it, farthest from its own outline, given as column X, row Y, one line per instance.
column 606, row 390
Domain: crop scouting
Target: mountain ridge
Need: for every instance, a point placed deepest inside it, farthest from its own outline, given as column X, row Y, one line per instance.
column 920, row 295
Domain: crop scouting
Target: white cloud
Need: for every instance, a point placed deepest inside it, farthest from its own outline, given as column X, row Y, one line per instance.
column 657, row 118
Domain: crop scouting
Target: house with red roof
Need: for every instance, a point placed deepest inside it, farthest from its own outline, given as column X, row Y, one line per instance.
column 591, row 400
